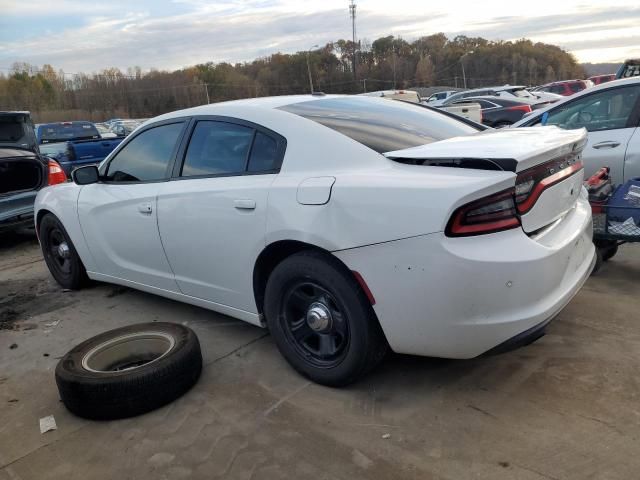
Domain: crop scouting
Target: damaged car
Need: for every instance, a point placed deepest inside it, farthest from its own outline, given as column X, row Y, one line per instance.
column 346, row 225
column 23, row 170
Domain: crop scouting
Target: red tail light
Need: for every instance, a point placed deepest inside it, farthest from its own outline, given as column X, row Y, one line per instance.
column 494, row 213
column 56, row 174
column 531, row 183
column 520, row 108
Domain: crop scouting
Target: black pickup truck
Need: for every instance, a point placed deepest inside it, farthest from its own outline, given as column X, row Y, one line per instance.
column 23, row 170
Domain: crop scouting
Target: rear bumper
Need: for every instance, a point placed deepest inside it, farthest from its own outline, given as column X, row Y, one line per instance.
column 461, row 297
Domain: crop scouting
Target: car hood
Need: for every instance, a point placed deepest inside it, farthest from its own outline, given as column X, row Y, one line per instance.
column 514, row 149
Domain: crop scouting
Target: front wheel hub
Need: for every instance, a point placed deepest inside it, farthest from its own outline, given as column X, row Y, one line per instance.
column 319, row 317
column 63, row 250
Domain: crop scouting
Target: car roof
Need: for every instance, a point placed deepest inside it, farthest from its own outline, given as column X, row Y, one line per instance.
column 264, row 103
column 586, row 91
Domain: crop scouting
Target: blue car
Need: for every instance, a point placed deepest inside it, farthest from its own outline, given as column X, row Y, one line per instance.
column 74, row 144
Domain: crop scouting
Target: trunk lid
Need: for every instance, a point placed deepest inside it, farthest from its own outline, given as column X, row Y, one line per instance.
column 546, row 161
column 22, row 174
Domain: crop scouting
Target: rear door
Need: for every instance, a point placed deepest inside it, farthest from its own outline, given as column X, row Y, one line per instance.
column 212, row 215
column 611, row 118
column 119, row 215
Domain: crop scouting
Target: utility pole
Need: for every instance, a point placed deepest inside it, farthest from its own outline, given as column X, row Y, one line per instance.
column 352, row 13
column 309, row 69
column 464, row 77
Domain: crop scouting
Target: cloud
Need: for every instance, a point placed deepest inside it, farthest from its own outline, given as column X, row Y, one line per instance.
column 171, row 42
column 179, row 33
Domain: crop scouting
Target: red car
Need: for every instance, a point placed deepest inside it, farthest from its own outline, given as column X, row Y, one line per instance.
column 565, row 87
column 598, row 79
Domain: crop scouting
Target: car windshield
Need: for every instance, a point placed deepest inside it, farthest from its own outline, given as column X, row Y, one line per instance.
column 382, row 125
column 60, row 132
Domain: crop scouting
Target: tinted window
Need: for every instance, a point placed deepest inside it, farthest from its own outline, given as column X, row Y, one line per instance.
column 604, row 110
column 264, row 154
column 576, row 87
column 217, row 148
column 382, row 125
column 147, row 156
column 59, row 132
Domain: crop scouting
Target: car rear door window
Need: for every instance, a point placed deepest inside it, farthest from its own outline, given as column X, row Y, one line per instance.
column 264, row 154
column 147, row 156
column 217, row 148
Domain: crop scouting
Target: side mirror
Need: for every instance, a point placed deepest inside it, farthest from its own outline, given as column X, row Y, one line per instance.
column 86, row 175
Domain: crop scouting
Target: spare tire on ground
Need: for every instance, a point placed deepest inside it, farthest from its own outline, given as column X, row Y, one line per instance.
column 129, row 371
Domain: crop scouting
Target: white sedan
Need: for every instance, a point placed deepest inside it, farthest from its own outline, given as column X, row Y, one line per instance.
column 343, row 224
column 611, row 114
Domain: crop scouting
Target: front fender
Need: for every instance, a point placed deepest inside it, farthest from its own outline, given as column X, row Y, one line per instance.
column 62, row 201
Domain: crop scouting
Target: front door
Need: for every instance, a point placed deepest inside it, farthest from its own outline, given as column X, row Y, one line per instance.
column 118, row 216
column 212, row 215
column 611, row 117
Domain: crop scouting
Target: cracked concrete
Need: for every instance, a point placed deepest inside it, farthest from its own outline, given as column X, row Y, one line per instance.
column 565, row 407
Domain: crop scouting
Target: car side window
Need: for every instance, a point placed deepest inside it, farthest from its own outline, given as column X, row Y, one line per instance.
column 217, row 148
column 604, row 110
column 264, row 154
column 146, row 157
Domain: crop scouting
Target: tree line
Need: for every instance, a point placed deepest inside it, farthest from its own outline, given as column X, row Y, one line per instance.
column 387, row 62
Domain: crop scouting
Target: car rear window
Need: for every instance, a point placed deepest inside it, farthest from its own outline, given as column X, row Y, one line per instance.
column 60, row 132
column 382, row 125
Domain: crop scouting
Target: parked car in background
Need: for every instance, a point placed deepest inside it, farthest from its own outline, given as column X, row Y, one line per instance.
column 23, row 170
column 73, row 144
column 123, row 128
column 346, row 224
column 545, row 98
column 436, row 99
column 466, row 109
column 406, row 95
column 630, row 68
column 513, row 92
column 611, row 114
column 498, row 112
column 598, row 79
column 105, row 131
column 565, row 87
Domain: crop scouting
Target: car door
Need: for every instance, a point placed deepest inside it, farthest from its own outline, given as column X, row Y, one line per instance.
column 118, row 215
column 212, row 215
column 611, row 117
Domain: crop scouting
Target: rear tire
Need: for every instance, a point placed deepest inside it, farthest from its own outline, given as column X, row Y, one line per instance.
column 609, row 253
column 599, row 261
column 60, row 255
column 321, row 321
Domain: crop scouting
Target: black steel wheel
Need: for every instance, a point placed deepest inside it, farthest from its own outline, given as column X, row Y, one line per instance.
column 59, row 254
column 313, row 322
column 321, row 320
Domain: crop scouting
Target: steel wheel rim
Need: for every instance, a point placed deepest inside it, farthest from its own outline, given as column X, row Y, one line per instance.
column 314, row 324
column 128, row 352
column 59, row 252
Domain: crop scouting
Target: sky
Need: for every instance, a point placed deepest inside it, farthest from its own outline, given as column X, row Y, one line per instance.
column 87, row 36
